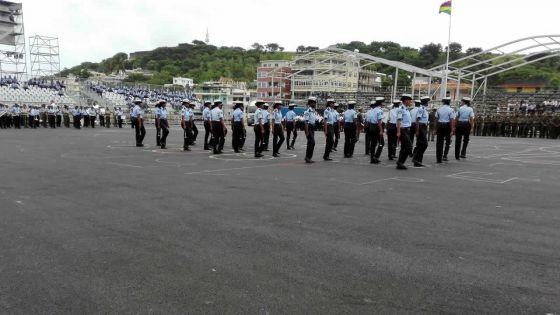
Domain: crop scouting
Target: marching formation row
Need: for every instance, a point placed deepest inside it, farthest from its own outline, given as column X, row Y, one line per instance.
column 404, row 124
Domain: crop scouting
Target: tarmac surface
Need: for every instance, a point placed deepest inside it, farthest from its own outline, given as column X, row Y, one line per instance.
column 91, row 224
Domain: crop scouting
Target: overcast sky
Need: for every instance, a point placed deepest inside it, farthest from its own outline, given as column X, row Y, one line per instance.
column 91, row 30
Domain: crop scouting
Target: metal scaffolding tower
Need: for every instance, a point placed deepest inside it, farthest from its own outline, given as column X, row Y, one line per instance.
column 13, row 61
column 44, row 56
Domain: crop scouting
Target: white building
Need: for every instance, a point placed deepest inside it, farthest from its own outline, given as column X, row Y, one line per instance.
column 184, row 82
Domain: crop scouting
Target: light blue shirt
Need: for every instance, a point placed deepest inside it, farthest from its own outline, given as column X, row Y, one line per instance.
column 16, row 110
column 374, row 115
column 265, row 116
column 206, row 113
column 258, row 116
column 413, row 114
column 445, row 114
column 277, row 117
column 331, row 116
column 162, row 113
column 465, row 113
column 237, row 115
column 290, row 116
column 310, row 116
column 137, row 112
column 404, row 116
column 216, row 114
column 187, row 114
column 350, row 115
column 422, row 115
column 393, row 113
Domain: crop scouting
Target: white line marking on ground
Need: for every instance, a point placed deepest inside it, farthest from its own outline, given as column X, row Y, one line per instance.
column 125, row 165
column 239, row 168
column 476, row 177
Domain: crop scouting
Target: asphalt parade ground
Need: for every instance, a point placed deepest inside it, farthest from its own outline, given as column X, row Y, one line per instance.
column 91, row 224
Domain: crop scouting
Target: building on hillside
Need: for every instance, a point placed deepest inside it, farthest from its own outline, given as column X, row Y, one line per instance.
column 524, row 86
column 184, row 82
column 324, row 74
column 273, row 81
column 226, row 90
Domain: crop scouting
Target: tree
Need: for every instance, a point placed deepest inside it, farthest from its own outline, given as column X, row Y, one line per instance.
column 257, row 47
column 429, row 54
column 152, row 65
column 473, row 50
column 300, row 49
column 272, row 47
column 455, row 51
column 84, row 74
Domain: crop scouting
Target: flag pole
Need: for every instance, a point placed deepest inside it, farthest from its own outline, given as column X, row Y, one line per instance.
column 444, row 90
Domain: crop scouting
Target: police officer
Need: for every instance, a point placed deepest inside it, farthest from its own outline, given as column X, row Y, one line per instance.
column 413, row 114
column 162, row 121
column 52, row 116
column 187, row 121
column 392, row 138
column 85, row 114
column 404, row 121
column 58, row 114
column 464, row 123
column 350, row 129
column 193, row 128
column 218, row 127
column 266, row 121
column 66, row 116
column 92, row 112
column 258, row 128
column 207, row 124
column 432, row 124
column 374, row 121
column 310, row 118
column 157, row 111
column 3, row 117
column 277, row 129
column 34, row 117
column 445, row 128
column 291, row 126
column 330, row 120
column 25, row 116
column 422, row 118
column 238, row 127
column 76, row 114
column 101, row 117
column 119, row 115
column 338, row 125
column 45, row 116
column 16, row 111
column 137, row 117
column 107, row 117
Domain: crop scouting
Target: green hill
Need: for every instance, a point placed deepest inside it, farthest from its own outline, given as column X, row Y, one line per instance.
column 204, row 62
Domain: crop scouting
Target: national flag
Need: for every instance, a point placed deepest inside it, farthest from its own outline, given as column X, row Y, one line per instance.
column 445, row 7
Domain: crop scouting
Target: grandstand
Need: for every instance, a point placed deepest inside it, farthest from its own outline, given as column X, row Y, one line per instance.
column 122, row 95
column 33, row 95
